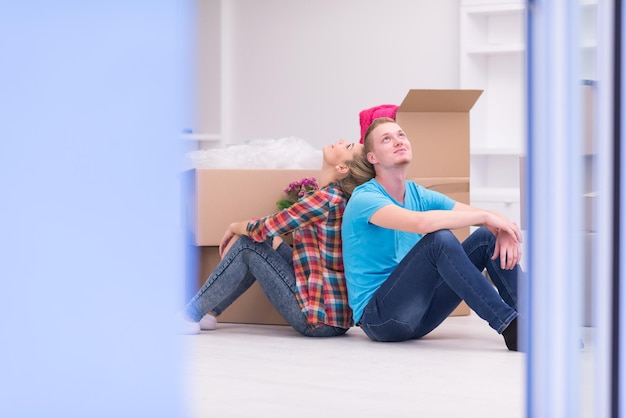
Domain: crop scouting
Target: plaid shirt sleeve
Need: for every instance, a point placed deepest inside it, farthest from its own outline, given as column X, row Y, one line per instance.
column 315, row 221
column 309, row 209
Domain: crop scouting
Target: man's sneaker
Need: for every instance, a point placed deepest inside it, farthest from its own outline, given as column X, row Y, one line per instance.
column 208, row 322
column 185, row 326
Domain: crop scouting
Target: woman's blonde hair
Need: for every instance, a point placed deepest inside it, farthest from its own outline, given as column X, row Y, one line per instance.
column 359, row 171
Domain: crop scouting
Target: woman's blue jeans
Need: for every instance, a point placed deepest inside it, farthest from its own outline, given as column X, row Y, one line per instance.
column 245, row 262
column 431, row 281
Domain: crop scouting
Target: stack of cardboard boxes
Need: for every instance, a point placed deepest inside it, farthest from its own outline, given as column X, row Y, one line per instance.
column 436, row 122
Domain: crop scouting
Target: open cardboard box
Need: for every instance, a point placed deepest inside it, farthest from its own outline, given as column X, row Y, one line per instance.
column 435, row 121
column 438, row 126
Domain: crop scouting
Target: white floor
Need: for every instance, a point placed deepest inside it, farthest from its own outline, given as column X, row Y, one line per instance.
column 462, row 369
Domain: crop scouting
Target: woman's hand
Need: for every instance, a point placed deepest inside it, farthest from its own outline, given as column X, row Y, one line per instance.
column 276, row 241
column 226, row 242
column 234, row 231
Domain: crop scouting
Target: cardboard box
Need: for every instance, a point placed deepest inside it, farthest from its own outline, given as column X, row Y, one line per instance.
column 437, row 124
column 220, row 197
column 456, row 188
column 223, row 196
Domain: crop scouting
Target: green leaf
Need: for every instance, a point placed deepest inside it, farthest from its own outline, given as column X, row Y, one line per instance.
column 283, row 204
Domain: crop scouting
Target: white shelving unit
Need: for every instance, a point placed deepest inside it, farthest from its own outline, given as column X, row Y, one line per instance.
column 492, row 48
column 493, row 53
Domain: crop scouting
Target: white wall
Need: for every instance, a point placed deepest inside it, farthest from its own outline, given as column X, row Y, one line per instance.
column 307, row 68
column 207, row 81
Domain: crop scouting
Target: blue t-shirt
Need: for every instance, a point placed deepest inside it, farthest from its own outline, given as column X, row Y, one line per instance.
column 371, row 253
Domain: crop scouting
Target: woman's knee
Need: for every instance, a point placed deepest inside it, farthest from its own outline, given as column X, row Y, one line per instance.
column 325, row 331
column 231, row 243
column 243, row 246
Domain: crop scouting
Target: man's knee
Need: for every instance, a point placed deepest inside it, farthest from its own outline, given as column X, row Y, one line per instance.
column 484, row 234
column 443, row 236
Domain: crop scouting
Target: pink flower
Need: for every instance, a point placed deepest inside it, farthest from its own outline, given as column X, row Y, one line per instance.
column 296, row 190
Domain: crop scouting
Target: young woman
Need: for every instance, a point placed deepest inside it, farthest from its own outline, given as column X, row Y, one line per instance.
column 306, row 283
column 405, row 270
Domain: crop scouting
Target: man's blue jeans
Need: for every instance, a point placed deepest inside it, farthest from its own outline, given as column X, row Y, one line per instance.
column 431, row 281
column 245, row 262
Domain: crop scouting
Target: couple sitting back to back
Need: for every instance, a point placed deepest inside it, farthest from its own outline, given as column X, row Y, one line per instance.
column 405, row 272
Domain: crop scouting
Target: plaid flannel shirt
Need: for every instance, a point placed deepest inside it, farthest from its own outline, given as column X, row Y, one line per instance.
column 315, row 221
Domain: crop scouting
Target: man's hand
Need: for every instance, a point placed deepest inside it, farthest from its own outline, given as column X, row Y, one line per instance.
column 508, row 248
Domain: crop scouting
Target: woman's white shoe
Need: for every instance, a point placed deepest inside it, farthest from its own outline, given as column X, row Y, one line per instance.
column 208, row 322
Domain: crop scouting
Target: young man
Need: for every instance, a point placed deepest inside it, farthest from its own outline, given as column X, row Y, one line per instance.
column 405, row 270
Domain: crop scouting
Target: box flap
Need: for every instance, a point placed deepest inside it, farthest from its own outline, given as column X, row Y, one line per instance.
column 439, row 100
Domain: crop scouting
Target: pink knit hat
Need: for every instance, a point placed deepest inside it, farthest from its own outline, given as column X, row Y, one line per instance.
column 367, row 116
